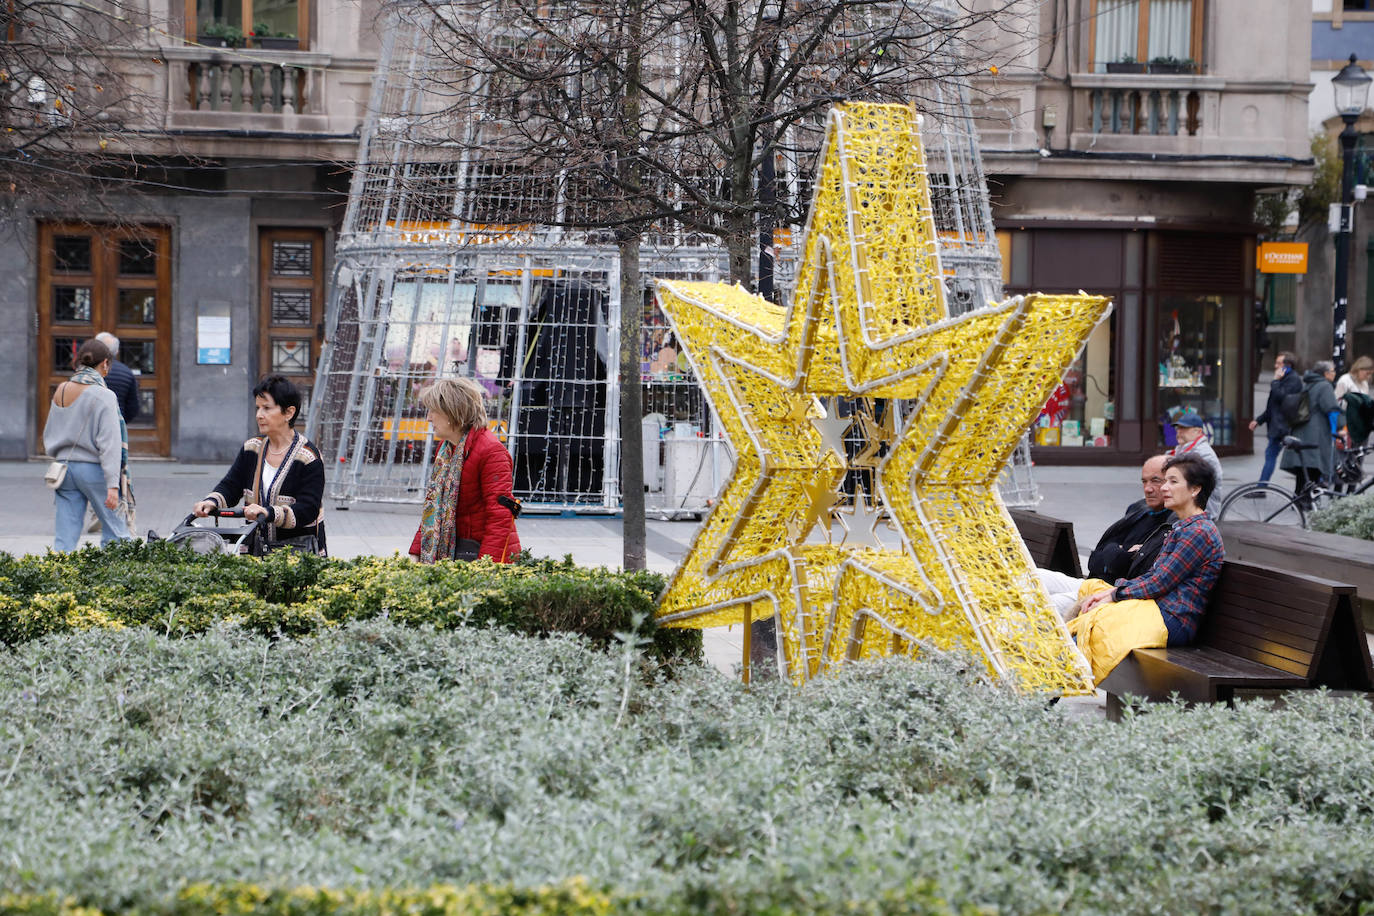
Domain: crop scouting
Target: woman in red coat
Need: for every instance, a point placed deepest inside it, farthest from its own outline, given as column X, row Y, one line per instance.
column 469, row 509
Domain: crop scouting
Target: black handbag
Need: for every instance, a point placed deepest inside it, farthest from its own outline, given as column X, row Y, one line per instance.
column 467, row 549
column 305, row 543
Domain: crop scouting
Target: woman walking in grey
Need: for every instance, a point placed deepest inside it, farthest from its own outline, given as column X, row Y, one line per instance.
column 1320, row 429
column 83, row 430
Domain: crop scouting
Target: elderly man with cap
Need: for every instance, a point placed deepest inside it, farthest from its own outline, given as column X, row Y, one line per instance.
column 1192, row 440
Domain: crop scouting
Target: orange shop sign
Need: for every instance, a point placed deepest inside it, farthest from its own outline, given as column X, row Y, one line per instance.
column 1282, row 257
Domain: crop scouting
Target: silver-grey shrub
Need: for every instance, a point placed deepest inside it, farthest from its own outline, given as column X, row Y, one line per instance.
column 1352, row 516
column 379, row 755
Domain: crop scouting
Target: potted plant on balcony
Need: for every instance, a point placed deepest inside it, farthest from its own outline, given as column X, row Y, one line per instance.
column 265, row 38
column 1127, row 64
column 220, row 35
column 1173, row 65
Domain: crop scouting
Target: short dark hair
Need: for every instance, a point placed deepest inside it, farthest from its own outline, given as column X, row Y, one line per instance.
column 282, row 391
column 92, row 353
column 1196, row 473
column 1289, row 359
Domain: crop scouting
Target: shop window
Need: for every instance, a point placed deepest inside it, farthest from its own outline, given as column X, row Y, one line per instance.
column 1199, row 362
column 1081, row 411
column 1146, row 30
column 1281, row 298
column 275, row 24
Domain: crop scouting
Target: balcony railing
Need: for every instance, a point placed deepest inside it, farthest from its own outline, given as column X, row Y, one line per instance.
column 230, row 85
column 256, row 89
column 1165, row 105
column 1155, row 111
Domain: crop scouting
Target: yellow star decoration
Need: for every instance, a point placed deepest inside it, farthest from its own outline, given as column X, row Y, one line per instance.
column 869, row 319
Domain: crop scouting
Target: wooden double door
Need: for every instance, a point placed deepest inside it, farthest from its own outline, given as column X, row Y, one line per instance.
column 108, row 278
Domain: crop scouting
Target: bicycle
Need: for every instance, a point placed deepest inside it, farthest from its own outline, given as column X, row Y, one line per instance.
column 1275, row 504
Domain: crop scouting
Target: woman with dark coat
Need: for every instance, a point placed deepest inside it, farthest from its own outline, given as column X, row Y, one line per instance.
column 1321, row 429
column 469, row 507
column 279, row 475
column 1287, row 380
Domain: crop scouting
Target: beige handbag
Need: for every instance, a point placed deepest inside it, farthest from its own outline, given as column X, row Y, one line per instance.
column 55, row 474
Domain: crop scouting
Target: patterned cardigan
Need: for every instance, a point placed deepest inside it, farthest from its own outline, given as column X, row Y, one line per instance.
column 296, row 494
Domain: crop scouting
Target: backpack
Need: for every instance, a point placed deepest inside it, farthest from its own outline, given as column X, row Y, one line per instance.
column 1295, row 408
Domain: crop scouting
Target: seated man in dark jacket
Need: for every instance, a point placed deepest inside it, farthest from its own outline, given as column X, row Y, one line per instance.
column 1127, row 549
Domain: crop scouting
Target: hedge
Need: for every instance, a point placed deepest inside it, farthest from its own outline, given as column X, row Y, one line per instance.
column 1352, row 516
column 377, row 759
column 287, row 593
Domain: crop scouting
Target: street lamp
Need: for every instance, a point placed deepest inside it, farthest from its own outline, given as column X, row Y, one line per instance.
column 1352, row 91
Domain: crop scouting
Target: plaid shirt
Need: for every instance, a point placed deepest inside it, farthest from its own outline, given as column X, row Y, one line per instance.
column 1182, row 577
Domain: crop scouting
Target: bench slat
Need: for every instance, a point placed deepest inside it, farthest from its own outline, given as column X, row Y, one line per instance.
column 1222, row 668
column 1275, row 598
column 1247, row 570
column 1224, row 622
column 1299, row 667
column 1228, row 612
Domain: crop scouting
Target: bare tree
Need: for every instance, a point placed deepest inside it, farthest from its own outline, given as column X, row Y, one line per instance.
column 687, row 120
column 71, row 74
column 721, row 88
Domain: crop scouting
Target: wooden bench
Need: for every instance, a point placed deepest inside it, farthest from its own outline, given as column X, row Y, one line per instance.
column 1312, row 553
column 1049, row 540
column 1264, row 630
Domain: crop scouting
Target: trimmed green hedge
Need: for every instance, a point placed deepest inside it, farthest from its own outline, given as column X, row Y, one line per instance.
column 177, row 592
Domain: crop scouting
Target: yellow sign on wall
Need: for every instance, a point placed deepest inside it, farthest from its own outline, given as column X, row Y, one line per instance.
column 1282, row 257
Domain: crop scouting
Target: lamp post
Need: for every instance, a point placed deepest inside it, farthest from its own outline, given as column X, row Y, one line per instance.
column 1351, row 86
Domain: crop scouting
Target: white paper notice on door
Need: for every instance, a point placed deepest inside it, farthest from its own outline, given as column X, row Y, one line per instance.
column 212, row 340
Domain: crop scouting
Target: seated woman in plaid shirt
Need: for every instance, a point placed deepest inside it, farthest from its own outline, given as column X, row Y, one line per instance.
column 1164, row 606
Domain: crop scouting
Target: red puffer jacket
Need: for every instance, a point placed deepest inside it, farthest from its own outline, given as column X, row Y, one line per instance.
column 486, row 477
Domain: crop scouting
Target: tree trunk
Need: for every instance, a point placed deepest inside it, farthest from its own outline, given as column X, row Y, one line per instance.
column 739, row 244
column 631, row 317
column 631, row 404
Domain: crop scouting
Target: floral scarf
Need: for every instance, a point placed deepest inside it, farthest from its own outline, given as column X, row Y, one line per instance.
column 87, row 375
column 439, row 521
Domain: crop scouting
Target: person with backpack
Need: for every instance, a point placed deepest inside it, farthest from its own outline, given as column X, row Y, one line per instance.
column 1287, row 384
column 1318, row 419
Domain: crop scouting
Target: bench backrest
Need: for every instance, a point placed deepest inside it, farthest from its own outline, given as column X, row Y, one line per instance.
column 1279, row 619
column 1049, row 540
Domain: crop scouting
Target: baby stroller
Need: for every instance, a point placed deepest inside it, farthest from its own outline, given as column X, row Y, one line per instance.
column 244, row 538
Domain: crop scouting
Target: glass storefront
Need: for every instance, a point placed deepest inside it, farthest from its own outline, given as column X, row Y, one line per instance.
column 1082, row 409
column 1176, row 338
column 1199, row 363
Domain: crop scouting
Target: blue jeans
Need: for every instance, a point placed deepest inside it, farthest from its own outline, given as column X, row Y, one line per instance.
column 84, row 483
column 1271, row 455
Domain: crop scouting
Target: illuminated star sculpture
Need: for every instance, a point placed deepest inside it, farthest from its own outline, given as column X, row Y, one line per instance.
column 869, row 320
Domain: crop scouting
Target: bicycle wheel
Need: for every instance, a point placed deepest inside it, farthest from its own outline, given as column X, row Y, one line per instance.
column 1262, row 502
